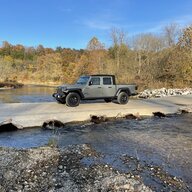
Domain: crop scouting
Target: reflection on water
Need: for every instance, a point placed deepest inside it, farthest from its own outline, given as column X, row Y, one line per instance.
column 27, row 94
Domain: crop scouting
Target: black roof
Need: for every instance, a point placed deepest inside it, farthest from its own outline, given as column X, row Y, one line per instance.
column 102, row 75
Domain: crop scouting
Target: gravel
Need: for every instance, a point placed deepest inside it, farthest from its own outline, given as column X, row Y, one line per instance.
column 51, row 169
column 55, row 170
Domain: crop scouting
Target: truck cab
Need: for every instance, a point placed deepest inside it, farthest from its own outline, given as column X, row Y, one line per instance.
column 100, row 87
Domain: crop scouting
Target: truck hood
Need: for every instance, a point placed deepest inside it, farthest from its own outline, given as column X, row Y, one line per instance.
column 68, row 86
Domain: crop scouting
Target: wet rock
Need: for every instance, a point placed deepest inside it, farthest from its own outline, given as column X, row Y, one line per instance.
column 52, row 124
column 159, row 114
column 187, row 109
column 133, row 116
column 130, row 116
column 184, row 111
column 60, row 167
column 8, row 125
column 98, row 119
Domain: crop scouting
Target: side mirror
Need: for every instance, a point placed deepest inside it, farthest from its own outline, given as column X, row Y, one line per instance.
column 90, row 83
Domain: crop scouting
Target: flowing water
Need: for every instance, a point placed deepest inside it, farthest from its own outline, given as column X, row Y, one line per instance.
column 165, row 142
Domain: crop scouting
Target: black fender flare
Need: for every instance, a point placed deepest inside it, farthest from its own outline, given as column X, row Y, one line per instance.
column 126, row 90
column 79, row 91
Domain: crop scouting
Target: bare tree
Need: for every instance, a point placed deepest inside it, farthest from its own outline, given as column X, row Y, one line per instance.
column 171, row 33
column 146, row 45
column 119, row 39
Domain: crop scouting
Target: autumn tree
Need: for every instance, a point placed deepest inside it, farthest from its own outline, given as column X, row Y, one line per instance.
column 175, row 66
column 40, row 50
column 96, row 55
column 150, row 60
column 5, row 48
column 95, row 44
column 185, row 56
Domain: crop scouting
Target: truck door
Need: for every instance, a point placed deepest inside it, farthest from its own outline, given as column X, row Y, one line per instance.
column 93, row 89
column 108, row 88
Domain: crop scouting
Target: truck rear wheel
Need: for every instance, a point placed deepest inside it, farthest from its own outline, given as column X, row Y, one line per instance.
column 123, row 98
column 72, row 99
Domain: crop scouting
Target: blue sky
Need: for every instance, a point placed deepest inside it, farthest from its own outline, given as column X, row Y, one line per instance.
column 72, row 23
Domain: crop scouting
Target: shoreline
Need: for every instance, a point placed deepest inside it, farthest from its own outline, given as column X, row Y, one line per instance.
column 35, row 114
column 10, row 85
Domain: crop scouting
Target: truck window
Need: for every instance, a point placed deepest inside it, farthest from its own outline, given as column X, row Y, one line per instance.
column 107, row 81
column 95, row 81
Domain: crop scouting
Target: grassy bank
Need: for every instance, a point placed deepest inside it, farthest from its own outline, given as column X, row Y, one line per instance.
column 10, row 84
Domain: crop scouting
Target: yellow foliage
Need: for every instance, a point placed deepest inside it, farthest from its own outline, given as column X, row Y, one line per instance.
column 8, row 58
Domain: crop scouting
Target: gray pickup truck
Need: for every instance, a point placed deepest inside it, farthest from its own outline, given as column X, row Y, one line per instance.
column 94, row 87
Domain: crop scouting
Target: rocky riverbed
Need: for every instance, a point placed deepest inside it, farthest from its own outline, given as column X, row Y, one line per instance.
column 75, row 168
column 149, row 93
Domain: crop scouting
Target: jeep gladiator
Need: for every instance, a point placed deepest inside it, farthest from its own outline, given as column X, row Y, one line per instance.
column 94, row 87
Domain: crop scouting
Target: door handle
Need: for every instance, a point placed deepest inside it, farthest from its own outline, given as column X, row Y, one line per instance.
column 109, row 87
column 99, row 87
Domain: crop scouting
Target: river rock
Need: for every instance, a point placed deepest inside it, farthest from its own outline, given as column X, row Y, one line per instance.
column 159, row 114
column 148, row 93
column 52, row 124
column 186, row 109
column 132, row 116
column 98, row 119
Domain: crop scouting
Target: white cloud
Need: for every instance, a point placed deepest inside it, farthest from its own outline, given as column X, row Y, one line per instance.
column 182, row 21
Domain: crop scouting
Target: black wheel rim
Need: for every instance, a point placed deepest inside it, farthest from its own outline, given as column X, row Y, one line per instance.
column 74, row 100
column 124, row 98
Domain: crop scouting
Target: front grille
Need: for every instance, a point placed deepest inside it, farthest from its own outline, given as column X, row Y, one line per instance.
column 59, row 91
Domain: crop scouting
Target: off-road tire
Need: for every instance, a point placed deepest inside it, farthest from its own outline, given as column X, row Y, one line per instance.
column 123, row 98
column 72, row 99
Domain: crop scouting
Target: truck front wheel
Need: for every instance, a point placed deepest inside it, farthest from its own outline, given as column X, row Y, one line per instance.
column 123, row 98
column 72, row 99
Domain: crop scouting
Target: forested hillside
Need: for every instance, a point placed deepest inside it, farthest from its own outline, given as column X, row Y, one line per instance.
column 150, row 60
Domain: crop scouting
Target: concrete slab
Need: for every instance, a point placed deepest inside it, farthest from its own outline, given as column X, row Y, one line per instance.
column 34, row 114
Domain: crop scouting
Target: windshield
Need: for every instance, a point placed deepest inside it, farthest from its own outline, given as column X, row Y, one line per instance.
column 82, row 80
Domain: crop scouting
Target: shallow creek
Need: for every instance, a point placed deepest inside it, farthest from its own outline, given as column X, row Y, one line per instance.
column 165, row 142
